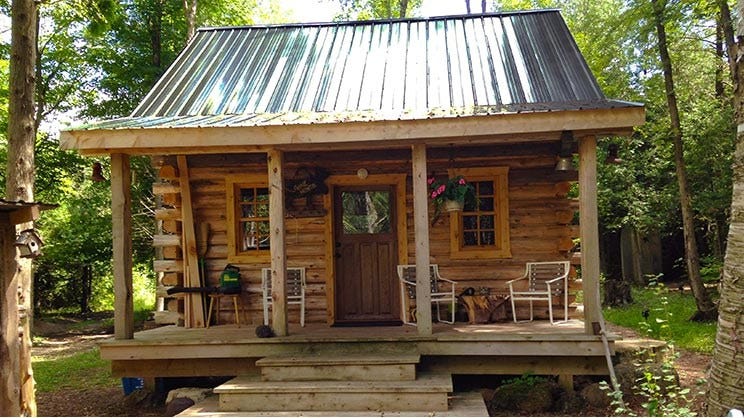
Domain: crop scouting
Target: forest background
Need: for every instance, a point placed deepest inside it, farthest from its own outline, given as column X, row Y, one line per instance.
column 97, row 59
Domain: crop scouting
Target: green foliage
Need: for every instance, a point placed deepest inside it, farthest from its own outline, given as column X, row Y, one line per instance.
column 658, row 385
column 77, row 234
column 526, row 381
column 660, row 389
column 374, row 9
column 81, row 371
column 711, row 269
column 668, row 318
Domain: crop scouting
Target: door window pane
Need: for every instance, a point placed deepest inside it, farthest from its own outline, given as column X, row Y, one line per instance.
column 366, row 212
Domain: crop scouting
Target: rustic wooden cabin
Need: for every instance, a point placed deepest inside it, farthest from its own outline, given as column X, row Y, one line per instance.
column 302, row 151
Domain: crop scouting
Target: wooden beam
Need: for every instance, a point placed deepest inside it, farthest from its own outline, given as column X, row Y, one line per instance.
column 184, row 368
column 421, row 233
column 277, row 248
column 121, row 220
column 194, row 303
column 588, row 221
column 260, row 138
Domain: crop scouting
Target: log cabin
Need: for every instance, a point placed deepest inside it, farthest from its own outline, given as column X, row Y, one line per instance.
column 309, row 146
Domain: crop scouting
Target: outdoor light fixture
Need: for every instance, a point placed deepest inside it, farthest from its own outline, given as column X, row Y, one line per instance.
column 564, row 164
column 565, row 157
column 97, row 175
column 612, row 155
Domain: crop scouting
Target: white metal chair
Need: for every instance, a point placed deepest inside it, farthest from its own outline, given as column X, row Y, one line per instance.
column 295, row 291
column 442, row 290
column 545, row 280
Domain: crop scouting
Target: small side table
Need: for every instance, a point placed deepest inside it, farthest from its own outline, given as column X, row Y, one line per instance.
column 217, row 296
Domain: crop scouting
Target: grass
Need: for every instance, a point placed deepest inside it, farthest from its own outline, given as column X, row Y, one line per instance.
column 84, row 370
column 693, row 336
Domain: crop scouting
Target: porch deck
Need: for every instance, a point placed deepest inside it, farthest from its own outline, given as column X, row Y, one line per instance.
column 504, row 348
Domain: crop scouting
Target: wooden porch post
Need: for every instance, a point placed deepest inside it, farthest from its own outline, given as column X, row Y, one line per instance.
column 275, row 159
column 421, row 230
column 588, row 220
column 121, row 220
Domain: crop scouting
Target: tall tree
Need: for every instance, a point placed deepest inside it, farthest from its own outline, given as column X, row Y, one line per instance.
column 725, row 389
column 376, row 9
column 20, row 174
column 189, row 8
column 706, row 310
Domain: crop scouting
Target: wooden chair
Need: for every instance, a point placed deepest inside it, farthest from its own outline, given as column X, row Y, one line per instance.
column 442, row 290
column 295, row 291
column 545, row 280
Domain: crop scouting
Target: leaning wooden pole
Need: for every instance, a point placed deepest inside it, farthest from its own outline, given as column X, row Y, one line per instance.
column 194, row 308
column 275, row 159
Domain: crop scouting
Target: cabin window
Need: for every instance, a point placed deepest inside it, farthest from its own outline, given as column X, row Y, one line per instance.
column 248, row 219
column 481, row 229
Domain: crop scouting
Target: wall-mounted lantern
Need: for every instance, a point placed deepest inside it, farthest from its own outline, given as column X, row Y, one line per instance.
column 29, row 243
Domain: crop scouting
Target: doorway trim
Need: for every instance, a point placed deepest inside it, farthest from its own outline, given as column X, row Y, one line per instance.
column 397, row 180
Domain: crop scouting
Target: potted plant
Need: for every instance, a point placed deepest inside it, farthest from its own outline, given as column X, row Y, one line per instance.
column 451, row 194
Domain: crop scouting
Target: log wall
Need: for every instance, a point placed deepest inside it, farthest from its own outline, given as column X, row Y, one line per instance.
column 540, row 217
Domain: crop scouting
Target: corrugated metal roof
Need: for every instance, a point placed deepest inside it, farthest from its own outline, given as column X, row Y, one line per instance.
column 372, row 70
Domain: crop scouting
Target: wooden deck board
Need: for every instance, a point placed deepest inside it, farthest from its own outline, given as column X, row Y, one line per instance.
column 158, row 350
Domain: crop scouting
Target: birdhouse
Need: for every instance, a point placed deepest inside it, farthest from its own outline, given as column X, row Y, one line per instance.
column 29, row 243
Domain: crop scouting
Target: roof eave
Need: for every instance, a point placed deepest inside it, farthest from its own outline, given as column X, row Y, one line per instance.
column 513, row 127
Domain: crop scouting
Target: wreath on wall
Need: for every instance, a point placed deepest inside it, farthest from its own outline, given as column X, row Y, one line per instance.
column 305, row 184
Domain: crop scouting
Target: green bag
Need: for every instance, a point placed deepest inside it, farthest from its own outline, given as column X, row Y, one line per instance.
column 230, row 280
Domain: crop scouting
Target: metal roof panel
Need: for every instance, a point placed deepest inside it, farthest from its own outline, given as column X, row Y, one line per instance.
column 387, row 69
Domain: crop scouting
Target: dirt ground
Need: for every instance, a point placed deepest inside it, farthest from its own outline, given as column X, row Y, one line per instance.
column 60, row 339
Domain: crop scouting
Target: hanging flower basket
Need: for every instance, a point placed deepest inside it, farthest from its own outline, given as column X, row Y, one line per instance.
column 452, row 205
column 450, row 195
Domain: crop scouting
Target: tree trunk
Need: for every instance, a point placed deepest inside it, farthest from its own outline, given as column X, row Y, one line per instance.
column 20, row 173
column 189, row 8
column 727, row 30
column 725, row 382
column 403, row 8
column 10, row 396
column 706, row 310
column 719, row 54
column 156, row 32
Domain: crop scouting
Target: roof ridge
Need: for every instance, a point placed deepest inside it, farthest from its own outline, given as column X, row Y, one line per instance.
column 378, row 21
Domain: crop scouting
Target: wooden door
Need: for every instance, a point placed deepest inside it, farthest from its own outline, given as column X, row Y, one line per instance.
column 366, row 256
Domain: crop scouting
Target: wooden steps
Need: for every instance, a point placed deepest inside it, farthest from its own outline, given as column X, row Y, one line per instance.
column 358, row 382
column 349, row 367
column 249, row 393
column 469, row 404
